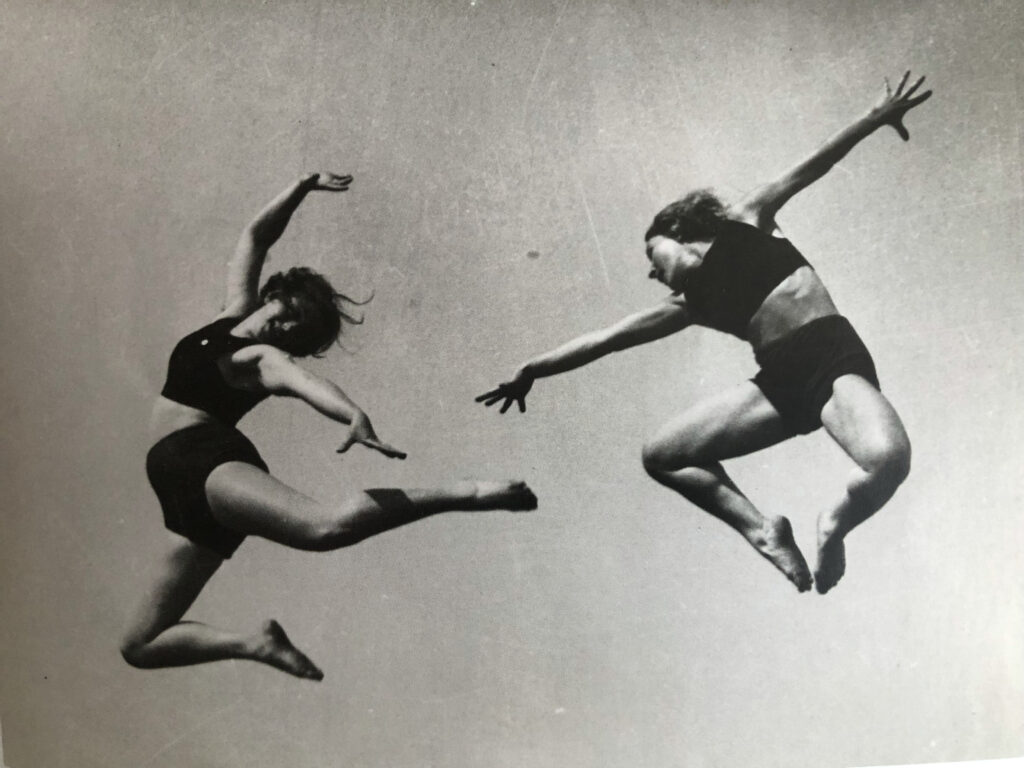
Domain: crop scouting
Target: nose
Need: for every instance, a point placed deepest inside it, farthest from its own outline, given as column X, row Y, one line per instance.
column 653, row 274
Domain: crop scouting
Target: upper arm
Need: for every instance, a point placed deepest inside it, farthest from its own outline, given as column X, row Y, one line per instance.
column 264, row 367
column 759, row 206
column 663, row 319
column 244, row 274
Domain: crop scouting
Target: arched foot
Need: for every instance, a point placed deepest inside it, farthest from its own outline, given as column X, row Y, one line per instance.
column 831, row 563
column 776, row 544
column 511, row 495
column 277, row 650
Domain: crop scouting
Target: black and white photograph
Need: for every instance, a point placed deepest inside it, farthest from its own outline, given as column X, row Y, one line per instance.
column 505, row 383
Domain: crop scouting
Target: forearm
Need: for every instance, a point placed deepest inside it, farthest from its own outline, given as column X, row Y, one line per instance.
column 574, row 354
column 270, row 223
column 839, row 145
column 330, row 400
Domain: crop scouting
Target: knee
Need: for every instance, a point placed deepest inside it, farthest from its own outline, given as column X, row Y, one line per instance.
column 660, row 462
column 133, row 651
column 888, row 464
column 653, row 460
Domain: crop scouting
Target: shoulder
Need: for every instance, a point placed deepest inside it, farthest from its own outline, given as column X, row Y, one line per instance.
column 240, row 306
column 262, row 355
column 675, row 308
column 675, row 299
column 260, row 367
column 232, row 314
column 751, row 212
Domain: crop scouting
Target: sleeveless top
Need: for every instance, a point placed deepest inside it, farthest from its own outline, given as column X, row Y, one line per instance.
column 742, row 266
column 193, row 378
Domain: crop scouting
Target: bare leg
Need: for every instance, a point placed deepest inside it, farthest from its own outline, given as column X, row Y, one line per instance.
column 248, row 500
column 685, row 456
column 156, row 636
column 866, row 426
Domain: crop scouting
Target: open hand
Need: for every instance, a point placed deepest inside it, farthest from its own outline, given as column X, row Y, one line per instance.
column 892, row 106
column 329, row 182
column 514, row 391
column 361, row 431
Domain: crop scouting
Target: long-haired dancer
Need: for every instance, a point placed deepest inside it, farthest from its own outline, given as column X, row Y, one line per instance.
column 212, row 484
column 730, row 269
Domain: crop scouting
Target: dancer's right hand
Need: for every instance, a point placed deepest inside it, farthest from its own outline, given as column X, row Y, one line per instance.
column 514, row 391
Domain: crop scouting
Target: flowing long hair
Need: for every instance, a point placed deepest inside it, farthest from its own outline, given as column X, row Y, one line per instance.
column 314, row 306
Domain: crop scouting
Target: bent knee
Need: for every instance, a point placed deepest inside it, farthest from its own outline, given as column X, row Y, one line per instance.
column 653, row 460
column 889, row 463
column 133, row 651
column 659, row 460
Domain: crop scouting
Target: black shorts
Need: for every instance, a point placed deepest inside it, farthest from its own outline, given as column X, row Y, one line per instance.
column 797, row 371
column 178, row 466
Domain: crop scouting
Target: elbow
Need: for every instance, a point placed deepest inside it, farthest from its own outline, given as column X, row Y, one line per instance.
column 257, row 235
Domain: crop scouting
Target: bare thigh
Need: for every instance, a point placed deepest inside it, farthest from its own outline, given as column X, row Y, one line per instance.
column 248, row 500
column 732, row 423
column 180, row 574
column 860, row 419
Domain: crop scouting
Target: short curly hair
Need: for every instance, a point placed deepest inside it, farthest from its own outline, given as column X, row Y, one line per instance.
column 315, row 307
column 693, row 218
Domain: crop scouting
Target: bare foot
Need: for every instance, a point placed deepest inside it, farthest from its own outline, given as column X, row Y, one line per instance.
column 277, row 650
column 777, row 545
column 513, row 495
column 831, row 561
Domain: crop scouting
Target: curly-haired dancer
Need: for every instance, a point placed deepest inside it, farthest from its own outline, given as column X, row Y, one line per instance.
column 212, row 484
column 730, row 269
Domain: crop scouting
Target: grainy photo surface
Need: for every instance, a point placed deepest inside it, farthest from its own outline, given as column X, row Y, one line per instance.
column 478, row 178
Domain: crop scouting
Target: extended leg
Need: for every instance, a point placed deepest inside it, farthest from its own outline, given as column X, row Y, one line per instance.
column 685, row 456
column 156, row 636
column 247, row 499
column 866, row 426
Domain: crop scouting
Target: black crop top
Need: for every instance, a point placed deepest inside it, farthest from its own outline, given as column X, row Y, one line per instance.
column 742, row 266
column 193, row 378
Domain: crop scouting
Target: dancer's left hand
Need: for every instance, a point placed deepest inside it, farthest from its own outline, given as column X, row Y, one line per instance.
column 361, row 431
column 329, row 182
column 891, row 107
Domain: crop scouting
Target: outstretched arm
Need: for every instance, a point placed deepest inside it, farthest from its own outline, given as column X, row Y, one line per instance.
column 761, row 205
column 647, row 325
column 268, row 368
column 265, row 230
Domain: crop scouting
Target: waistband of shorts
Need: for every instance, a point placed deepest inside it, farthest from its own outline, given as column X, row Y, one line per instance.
column 203, row 427
column 808, row 328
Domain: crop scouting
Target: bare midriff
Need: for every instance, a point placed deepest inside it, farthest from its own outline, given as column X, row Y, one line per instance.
column 168, row 416
column 794, row 302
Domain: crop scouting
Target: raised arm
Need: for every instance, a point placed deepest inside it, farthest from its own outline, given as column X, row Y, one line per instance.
column 647, row 325
column 265, row 230
column 760, row 206
column 267, row 368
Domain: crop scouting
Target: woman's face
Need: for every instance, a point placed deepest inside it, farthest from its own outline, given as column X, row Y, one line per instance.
column 278, row 325
column 668, row 261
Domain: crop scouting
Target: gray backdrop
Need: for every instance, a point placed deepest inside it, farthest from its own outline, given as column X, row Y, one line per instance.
column 617, row 626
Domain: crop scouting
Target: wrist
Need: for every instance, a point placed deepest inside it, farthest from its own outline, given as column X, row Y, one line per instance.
column 872, row 119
